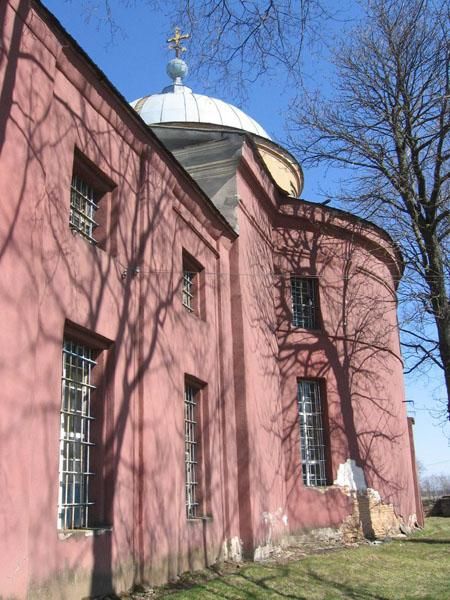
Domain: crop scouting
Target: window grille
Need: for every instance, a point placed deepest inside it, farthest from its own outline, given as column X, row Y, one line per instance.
column 189, row 290
column 82, row 208
column 311, row 433
column 304, row 303
column 190, row 450
column 75, row 442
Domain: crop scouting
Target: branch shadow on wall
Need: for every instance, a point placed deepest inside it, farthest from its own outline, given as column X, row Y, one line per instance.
column 355, row 351
column 52, row 276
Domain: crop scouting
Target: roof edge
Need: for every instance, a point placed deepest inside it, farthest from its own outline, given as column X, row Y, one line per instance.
column 290, row 200
column 123, row 102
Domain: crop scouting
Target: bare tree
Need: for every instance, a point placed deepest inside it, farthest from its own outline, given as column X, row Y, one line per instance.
column 237, row 41
column 103, row 13
column 233, row 42
column 388, row 123
column 435, row 485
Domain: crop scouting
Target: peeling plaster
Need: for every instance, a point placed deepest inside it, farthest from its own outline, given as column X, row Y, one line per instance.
column 271, row 521
column 350, row 476
column 232, row 549
column 262, row 552
column 374, row 494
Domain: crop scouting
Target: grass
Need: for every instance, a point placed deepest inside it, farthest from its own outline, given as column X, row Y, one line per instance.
column 414, row 567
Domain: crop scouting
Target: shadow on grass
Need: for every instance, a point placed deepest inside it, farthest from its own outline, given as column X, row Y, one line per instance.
column 427, row 541
column 265, row 589
column 358, row 592
column 269, row 586
column 234, row 583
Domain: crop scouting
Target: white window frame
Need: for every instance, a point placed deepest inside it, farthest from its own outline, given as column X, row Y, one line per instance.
column 76, row 445
column 305, row 302
column 191, row 449
column 189, row 291
column 83, row 206
column 312, row 433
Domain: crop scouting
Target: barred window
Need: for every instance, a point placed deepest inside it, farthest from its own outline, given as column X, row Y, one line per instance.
column 76, row 445
column 312, row 436
column 188, row 290
column 193, row 286
column 83, row 206
column 305, row 302
column 191, row 450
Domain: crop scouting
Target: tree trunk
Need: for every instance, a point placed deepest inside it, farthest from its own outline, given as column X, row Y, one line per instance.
column 439, row 302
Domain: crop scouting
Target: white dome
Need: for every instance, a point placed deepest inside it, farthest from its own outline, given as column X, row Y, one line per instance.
column 178, row 104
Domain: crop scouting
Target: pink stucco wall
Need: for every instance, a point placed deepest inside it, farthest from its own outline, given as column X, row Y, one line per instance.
column 243, row 347
column 355, row 353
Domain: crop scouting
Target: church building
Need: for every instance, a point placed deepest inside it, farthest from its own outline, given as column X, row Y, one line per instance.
column 197, row 365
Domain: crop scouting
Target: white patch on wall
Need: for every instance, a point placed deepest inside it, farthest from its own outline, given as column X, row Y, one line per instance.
column 277, row 521
column 232, row 549
column 262, row 552
column 351, row 476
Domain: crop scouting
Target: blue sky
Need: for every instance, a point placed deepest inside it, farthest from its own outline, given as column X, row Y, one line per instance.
column 135, row 62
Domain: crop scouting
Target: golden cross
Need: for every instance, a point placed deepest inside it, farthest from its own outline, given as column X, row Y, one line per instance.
column 176, row 39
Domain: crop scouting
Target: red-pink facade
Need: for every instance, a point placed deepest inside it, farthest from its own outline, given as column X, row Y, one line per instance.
column 126, row 292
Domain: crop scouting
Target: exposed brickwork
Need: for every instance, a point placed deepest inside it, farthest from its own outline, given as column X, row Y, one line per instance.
column 381, row 517
column 123, row 298
column 351, row 528
column 371, row 518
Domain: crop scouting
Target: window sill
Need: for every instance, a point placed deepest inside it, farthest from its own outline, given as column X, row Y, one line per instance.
column 92, row 243
column 64, row 534
column 316, row 330
column 204, row 519
column 321, row 489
